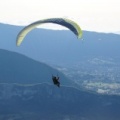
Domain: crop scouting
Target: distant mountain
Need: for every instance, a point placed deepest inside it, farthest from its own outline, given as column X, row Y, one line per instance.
column 17, row 68
column 46, row 102
column 60, row 47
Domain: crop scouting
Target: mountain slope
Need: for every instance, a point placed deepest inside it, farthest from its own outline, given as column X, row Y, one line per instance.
column 16, row 68
column 44, row 101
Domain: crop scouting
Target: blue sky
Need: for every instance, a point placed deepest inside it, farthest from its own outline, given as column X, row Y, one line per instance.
column 92, row 15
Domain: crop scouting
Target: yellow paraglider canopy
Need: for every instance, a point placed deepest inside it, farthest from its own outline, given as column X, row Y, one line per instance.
column 73, row 26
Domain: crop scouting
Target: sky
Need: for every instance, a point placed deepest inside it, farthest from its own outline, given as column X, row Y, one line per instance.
column 91, row 15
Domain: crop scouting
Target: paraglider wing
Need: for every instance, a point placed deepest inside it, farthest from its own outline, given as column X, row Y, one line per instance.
column 74, row 27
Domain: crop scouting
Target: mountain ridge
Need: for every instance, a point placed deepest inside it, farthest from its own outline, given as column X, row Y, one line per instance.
column 57, row 103
column 58, row 46
column 17, row 68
